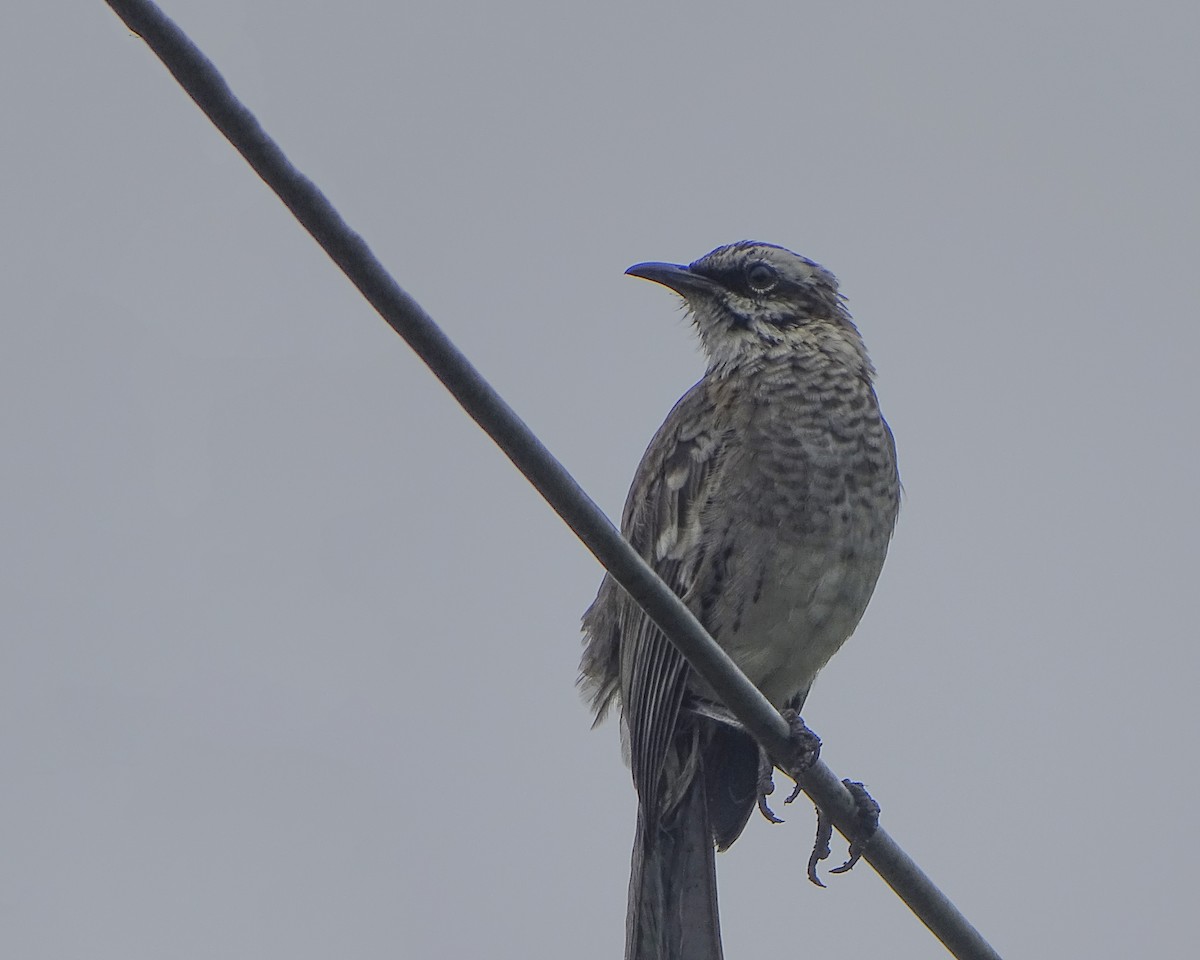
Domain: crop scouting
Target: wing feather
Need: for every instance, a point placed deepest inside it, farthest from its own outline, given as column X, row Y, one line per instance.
column 627, row 653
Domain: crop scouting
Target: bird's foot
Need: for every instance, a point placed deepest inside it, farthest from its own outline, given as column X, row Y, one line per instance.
column 766, row 786
column 805, row 751
column 866, row 822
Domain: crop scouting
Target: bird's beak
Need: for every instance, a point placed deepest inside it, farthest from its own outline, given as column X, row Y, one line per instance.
column 675, row 276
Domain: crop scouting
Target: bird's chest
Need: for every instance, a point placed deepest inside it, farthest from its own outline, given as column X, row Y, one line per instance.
column 797, row 540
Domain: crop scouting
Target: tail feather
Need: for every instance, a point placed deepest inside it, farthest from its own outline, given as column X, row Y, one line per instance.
column 673, row 885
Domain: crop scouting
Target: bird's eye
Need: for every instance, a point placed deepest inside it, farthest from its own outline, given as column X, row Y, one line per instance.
column 761, row 277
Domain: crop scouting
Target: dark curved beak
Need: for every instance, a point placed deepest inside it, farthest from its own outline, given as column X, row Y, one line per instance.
column 675, row 276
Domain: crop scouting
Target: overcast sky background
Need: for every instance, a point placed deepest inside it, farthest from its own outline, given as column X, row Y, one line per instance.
column 288, row 648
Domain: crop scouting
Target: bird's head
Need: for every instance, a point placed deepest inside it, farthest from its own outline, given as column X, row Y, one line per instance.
column 751, row 299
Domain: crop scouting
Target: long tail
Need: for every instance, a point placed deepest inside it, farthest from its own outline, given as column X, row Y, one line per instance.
column 673, row 885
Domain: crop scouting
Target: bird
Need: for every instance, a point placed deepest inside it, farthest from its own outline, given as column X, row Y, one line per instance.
column 766, row 501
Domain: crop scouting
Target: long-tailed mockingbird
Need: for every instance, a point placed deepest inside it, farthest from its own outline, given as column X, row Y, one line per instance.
column 766, row 500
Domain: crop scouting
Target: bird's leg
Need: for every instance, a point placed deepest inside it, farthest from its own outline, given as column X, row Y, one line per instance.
column 766, row 786
column 805, row 751
column 805, row 748
column 866, row 822
column 820, row 849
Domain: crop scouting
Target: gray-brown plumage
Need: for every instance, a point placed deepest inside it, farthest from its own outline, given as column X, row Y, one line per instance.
column 766, row 500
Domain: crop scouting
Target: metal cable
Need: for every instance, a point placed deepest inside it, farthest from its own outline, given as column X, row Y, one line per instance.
column 204, row 84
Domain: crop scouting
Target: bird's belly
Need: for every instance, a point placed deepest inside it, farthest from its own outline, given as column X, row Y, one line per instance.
column 795, row 612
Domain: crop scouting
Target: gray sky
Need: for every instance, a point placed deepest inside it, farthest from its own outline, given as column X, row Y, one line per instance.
column 288, row 648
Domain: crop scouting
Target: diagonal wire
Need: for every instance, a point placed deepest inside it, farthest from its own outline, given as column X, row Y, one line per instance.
column 204, row 84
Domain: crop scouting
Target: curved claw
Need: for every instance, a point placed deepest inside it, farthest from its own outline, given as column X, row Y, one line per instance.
column 766, row 787
column 867, row 817
column 855, row 856
column 866, row 823
column 766, row 811
column 820, row 849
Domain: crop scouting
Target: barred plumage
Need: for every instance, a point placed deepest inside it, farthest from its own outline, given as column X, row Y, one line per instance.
column 766, row 500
